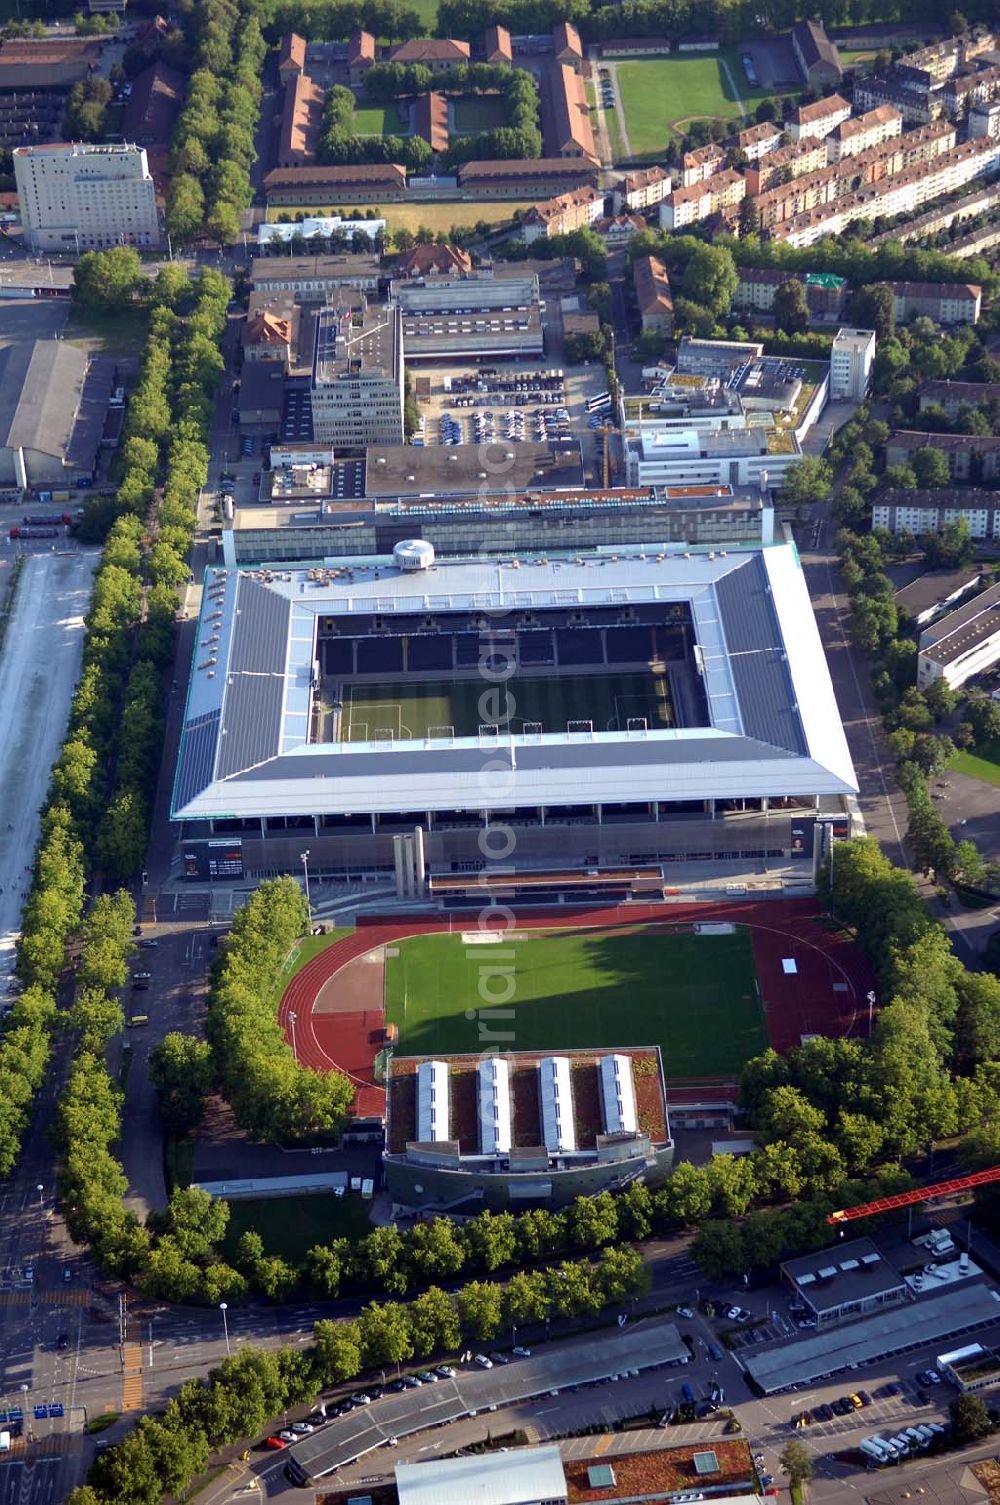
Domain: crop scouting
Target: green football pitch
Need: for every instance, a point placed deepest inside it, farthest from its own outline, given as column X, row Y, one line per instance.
column 411, row 710
column 696, row 996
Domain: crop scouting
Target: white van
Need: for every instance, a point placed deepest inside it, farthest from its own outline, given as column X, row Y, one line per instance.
column 876, row 1455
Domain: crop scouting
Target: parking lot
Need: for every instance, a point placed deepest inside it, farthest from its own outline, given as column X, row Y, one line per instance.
column 522, row 401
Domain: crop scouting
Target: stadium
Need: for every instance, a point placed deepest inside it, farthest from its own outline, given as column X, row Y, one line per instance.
column 581, row 713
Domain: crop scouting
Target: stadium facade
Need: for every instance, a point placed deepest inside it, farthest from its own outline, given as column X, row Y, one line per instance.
column 570, row 711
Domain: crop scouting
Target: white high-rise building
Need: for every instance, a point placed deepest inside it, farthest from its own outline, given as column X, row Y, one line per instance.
column 357, row 378
column 851, row 358
column 75, row 197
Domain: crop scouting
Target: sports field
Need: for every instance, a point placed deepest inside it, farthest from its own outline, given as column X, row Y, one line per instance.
column 696, row 996
column 405, row 711
column 662, row 95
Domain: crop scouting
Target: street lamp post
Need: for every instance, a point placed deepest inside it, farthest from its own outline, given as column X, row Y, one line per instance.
column 39, row 1188
column 291, row 1023
column 223, row 1308
column 305, row 869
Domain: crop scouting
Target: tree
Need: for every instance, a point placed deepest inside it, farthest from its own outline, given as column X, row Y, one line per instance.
column 197, row 1220
column 338, row 1351
column 806, row 481
column 106, row 281
column 767, row 110
column 791, row 311
column 180, row 1068
column 749, row 218
column 434, row 1322
column 930, row 467
column 480, row 1309
column 873, row 307
column 184, row 216
column 796, row 1461
column 710, row 278
column 384, row 1334
column 970, row 1420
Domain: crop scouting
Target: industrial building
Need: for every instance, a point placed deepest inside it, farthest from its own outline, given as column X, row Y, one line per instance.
column 741, row 738
column 449, row 1127
column 473, row 317
column 77, row 197
column 964, row 643
column 357, row 378
column 53, row 407
column 847, row 1281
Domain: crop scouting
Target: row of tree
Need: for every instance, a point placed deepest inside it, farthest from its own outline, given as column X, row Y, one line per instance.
column 162, row 1454
column 213, row 147
column 271, row 1095
column 519, row 139
column 333, row 20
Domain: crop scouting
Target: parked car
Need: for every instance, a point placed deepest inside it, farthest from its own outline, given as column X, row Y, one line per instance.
column 275, row 1442
column 483, row 1361
column 521, row 1352
column 303, row 1428
column 445, row 1372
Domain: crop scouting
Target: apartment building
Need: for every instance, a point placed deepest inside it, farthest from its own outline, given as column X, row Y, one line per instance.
column 863, row 131
column 901, row 194
column 643, row 189
column 984, row 120
column 566, row 45
column 970, row 457
column 852, row 356
column 828, row 184
column 944, row 302
column 689, row 206
column 314, row 277
column 820, row 118
column 77, row 197
column 576, row 210
column 952, row 396
column 917, row 107
column 930, row 510
column 652, row 291
column 755, row 291
column 703, row 163
column 792, row 161
column 757, row 140
column 977, row 87
column 291, row 56
column 535, row 178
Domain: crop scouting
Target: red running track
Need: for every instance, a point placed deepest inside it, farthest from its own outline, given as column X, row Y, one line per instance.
column 826, row 994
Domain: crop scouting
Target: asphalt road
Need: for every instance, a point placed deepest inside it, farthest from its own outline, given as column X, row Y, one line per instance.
column 38, row 672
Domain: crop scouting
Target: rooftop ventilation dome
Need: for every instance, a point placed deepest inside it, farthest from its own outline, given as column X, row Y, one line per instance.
column 413, row 554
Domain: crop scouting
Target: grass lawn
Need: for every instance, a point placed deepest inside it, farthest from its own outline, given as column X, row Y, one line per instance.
column 479, row 112
column 120, row 333
column 427, row 10
column 694, row 996
column 377, row 119
column 416, row 216
column 981, row 762
column 308, row 947
column 662, row 95
column 413, row 709
column 290, row 1226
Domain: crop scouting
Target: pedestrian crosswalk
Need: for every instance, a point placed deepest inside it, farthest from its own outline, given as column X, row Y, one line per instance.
column 132, row 1377
column 57, row 1296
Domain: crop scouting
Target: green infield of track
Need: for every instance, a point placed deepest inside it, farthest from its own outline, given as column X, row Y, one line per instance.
column 696, row 996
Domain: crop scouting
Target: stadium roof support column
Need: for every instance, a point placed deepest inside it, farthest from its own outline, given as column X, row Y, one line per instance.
column 398, row 859
column 418, row 858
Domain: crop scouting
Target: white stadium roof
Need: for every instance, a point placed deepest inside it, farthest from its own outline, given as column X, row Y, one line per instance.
column 774, row 726
column 520, row 1477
